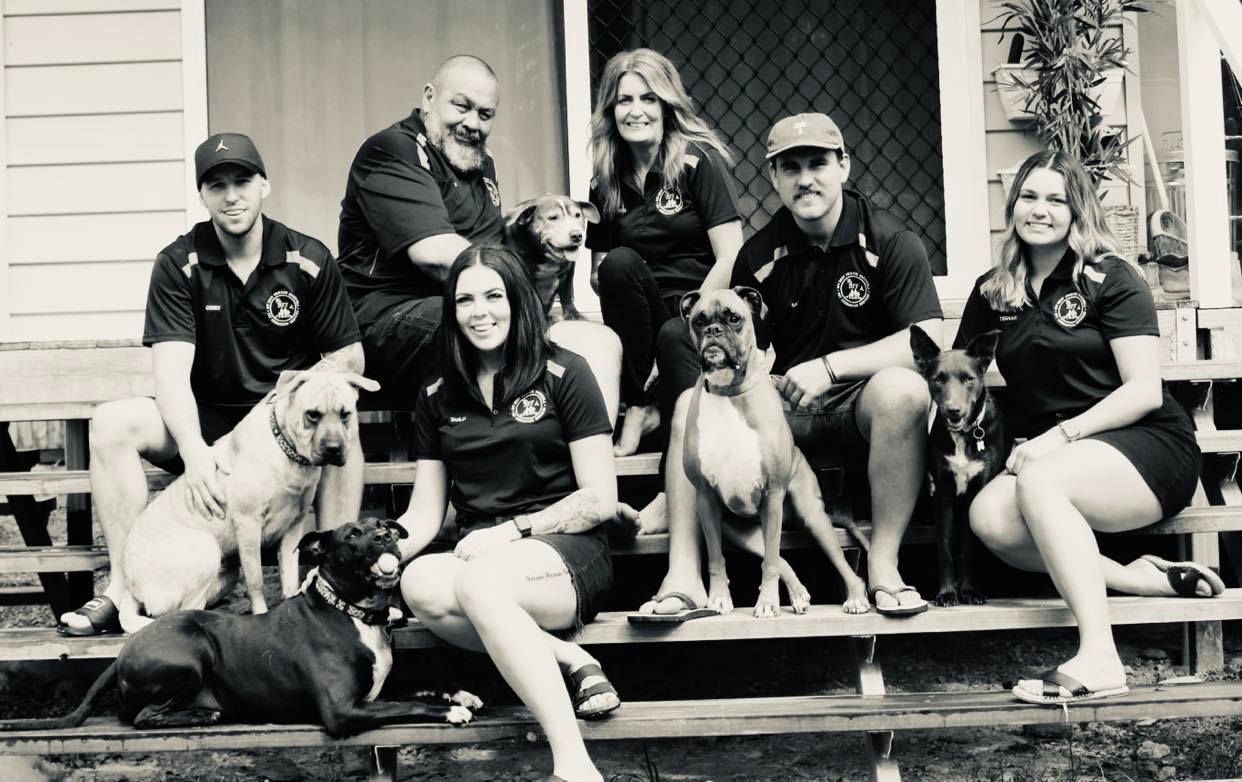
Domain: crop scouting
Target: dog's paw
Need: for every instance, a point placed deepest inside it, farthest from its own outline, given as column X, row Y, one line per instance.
column 970, row 597
column 458, row 715
column 947, row 597
column 469, row 700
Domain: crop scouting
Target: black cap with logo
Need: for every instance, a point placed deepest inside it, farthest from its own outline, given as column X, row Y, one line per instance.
column 226, row 148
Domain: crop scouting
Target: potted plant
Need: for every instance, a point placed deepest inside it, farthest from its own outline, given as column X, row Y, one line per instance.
column 1068, row 61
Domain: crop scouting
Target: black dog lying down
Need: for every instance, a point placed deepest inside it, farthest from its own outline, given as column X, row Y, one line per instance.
column 967, row 448
column 320, row 655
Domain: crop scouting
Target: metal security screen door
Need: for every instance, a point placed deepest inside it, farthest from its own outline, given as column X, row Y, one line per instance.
column 873, row 66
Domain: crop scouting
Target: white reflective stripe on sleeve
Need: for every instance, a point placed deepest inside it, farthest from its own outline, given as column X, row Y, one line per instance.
column 692, row 161
column 189, row 264
column 556, row 368
column 422, row 151
column 434, row 387
column 765, row 270
column 1092, row 274
column 307, row 265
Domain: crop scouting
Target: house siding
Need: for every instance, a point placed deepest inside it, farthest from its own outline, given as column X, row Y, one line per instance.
column 94, row 162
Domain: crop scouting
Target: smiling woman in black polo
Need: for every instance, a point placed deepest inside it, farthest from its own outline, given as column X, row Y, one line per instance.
column 518, row 428
column 1107, row 449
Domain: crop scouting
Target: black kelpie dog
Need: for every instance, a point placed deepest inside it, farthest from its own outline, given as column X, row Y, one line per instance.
column 967, row 448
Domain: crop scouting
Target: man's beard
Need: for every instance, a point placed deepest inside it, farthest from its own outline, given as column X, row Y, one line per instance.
column 466, row 156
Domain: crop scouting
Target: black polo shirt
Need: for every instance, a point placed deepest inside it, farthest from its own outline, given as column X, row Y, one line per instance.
column 873, row 280
column 513, row 459
column 292, row 309
column 667, row 226
column 401, row 189
column 1054, row 353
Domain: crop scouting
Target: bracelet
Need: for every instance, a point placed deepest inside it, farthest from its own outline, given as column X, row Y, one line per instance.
column 832, row 376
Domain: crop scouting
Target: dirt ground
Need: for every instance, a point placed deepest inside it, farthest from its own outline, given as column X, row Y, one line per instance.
column 1149, row 750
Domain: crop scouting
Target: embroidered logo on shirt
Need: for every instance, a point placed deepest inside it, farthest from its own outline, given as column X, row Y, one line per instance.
column 1070, row 309
column 492, row 191
column 456, row 419
column 668, row 201
column 529, row 407
column 282, row 308
column 853, row 289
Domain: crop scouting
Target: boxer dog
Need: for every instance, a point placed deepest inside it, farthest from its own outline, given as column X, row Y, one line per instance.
column 547, row 232
column 966, row 449
column 322, row 654
column 739, row 454
column 271, row 462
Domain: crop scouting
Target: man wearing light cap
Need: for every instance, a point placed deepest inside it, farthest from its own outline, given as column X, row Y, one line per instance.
column 230, row 305
column 843, row 282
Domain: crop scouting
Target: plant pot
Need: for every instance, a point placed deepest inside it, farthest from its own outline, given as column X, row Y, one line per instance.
column 1011, row 81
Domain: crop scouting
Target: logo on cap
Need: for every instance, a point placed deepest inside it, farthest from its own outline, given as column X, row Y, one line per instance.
column 804, row 130
column 668, row 201
column 221, row 146
column 282, row 308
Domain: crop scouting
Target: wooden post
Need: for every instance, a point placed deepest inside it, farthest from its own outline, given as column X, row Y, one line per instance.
column 879, row 743
column 78, row 507
column 382, row 764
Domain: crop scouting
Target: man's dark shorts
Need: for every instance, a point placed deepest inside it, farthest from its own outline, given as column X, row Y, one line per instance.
column 402, row 349
column 827, row 431
column 214, row 422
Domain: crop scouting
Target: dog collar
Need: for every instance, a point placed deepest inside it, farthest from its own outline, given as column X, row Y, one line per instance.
column 735, row 390
column 370, row 617
column 283, row 441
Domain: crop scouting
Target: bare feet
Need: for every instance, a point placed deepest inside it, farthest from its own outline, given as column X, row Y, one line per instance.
column 639, row 420
column 672, row 605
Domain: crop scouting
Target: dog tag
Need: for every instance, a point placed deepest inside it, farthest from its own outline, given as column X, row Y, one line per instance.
column 978, row 434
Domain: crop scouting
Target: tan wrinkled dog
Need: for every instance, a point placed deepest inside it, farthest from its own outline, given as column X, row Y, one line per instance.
column 270, row 466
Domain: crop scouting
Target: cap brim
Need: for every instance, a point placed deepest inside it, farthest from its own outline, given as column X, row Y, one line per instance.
column 246, row 164
column 810, row 145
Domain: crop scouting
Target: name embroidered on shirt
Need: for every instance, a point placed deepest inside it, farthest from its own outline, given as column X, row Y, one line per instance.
column 1007, row 318
column 212, row 307
column 456, row 419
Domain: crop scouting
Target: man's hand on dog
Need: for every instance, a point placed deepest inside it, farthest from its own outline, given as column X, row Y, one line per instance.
column 1034, row 448
column 481, row 541
column 204, row 495
column 805, row 383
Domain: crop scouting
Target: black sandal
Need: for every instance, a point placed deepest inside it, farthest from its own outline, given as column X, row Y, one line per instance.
column 101, row 613
column 582, row 694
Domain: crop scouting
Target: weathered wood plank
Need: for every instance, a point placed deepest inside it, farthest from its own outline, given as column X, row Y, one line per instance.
column 51, row 559
column 666, row 719
column 822, row 621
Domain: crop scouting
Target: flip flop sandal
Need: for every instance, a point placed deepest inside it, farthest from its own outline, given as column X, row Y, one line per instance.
column 1054, row 681
column 1185, row 576
column 691, row 611
column 897, row 610
column 582, row 694
column 101, row 613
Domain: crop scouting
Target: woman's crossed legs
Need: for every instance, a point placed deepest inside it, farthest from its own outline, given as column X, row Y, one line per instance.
column 1044, row 520
column 503, row 603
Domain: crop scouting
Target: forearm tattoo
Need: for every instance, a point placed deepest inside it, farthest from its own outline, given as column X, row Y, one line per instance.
column 578, row 512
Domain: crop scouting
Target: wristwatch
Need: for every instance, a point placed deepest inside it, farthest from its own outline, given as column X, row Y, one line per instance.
column 1069, row 430
column 522, row 522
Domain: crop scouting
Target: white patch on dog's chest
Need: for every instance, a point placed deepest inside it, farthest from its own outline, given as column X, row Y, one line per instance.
column 960, row 464
column 373, row 638
column 729, row 456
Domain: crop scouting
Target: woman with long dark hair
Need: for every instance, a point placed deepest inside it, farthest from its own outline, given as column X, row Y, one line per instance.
column 515, row 434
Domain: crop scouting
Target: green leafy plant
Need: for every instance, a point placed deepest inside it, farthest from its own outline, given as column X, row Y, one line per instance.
column 1068, row 52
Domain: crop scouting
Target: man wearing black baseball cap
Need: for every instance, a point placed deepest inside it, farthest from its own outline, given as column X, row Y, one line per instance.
column 843, row 282
column 230, row 305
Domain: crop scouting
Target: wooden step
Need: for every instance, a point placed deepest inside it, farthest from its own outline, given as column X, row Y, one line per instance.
column 1220, row 518
column 822, row 621
column 51, row 559
column 46, row 482
column 666, row 719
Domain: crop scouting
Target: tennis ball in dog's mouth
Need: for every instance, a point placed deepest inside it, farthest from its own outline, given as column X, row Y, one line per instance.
column 387, row 563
